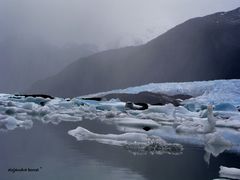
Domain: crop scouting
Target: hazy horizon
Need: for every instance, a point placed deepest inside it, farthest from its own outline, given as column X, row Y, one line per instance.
column 38, row 38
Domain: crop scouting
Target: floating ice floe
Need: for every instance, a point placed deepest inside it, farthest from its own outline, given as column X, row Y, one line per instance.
column 195, row 127
column 128, row 124
column 215, row 144
column 10, row 123
column 136, row 143
column 190, row 123
column 232, row 173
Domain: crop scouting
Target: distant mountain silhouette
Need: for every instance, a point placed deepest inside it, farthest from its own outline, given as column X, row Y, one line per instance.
column 202, row 48
column 24, row 61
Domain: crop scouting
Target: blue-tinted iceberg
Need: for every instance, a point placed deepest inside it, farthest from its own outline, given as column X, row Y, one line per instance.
column 192, row 122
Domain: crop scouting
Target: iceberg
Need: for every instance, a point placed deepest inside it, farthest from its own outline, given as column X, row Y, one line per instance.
column 203, row 92
column 11, row 123
column 232, row 173
column 133, row 124
column 83, row 134
column 215, row 144
column 136, row 143
column 211, row 115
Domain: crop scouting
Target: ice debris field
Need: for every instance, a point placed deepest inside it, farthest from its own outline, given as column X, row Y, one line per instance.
column 209, row 119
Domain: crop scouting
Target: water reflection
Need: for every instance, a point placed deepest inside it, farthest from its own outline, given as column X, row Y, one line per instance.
column 215, row 144
column 62, row 157
column 43, row 147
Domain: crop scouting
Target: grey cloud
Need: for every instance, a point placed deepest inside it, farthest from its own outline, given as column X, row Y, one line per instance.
column 100, row 21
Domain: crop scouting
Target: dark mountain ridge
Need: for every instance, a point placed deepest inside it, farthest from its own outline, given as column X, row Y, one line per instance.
column 203, row 48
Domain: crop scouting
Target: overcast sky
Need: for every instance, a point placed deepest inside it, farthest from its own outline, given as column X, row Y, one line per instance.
column 101, row 22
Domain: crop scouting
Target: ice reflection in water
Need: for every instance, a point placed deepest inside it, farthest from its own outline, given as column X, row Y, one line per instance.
column 51, row 148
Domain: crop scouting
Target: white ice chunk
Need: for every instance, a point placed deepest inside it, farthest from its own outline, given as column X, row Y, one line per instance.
column 57, row 118
column 232, row 173
column 216, row 139
column 223, row 94
column 11, row 123
column 228, row 123
column 30, row 106
column 199, row 126
column 27, row 124
column 215, row 143
column 8, row 123
column 166, row 109
column 83, row 134
column 136, row 143
column 127, row 123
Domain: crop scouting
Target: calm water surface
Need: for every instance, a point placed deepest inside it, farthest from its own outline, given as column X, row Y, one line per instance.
column 59, row 156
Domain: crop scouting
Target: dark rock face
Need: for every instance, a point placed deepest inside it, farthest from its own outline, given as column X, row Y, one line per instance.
column 40, row 99
column 203, row 48
column 146, row 128
column 147, row 97
column 93, row 98
column 44, row 96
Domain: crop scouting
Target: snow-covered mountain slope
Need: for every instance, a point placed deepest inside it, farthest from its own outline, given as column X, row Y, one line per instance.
column 211, row 118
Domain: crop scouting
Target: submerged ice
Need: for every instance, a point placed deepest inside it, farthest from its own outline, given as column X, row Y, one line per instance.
column 211, row 118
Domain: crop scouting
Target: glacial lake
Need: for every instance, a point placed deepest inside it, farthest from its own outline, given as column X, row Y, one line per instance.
column 55, row 155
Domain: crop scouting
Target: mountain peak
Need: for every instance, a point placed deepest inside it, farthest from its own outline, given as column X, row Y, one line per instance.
column 229, row 17
column 237, row 10
column 202, row 48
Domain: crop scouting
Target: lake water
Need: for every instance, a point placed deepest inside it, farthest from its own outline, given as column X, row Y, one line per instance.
column 57, row 156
